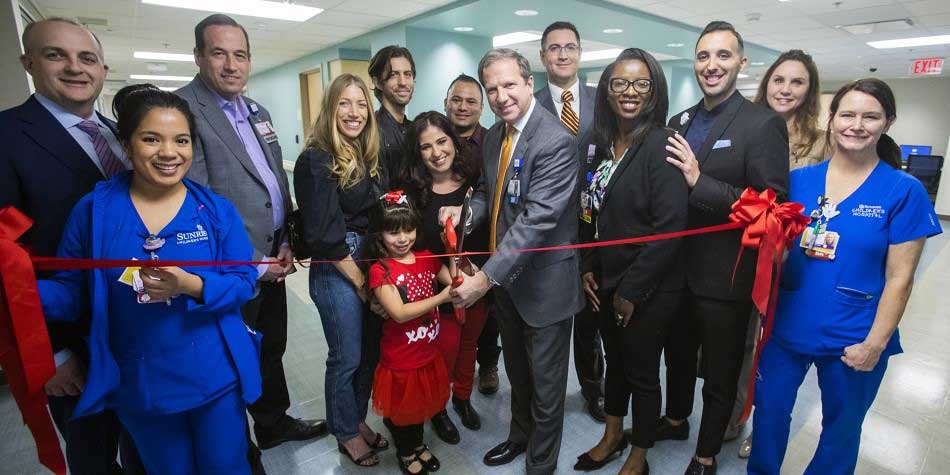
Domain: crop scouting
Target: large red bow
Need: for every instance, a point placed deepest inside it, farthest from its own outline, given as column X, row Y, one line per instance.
column 770, row 228
column 25, row 351
column 395, row 197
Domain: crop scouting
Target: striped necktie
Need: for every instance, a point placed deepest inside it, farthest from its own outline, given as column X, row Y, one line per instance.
column 568, row 115
column 111, row 164
column 503, row 162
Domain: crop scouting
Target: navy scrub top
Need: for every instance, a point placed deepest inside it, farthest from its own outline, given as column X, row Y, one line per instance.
column 825, row 306
column 169, row 360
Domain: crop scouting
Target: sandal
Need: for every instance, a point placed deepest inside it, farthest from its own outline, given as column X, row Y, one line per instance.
column 432, row 464
column 404, row 465
column 366, row 460
column 379, row 444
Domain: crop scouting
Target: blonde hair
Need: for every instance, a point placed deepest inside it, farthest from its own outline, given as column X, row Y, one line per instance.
column 353, row 160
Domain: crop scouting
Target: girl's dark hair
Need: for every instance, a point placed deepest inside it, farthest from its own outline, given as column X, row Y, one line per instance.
column 887, row 148
column 132, row 103
column 652, row 113
column 806, row 115
column 386, row 217
column 414, row 176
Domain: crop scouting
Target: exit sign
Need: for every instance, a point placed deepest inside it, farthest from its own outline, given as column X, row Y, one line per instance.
column 927, row 66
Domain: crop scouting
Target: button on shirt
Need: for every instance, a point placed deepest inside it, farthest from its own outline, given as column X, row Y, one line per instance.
column 702, row 124
column 237, row 113
column 70, row 122
column 556, row 93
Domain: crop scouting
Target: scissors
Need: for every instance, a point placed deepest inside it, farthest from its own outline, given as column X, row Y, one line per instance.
column 454, row 238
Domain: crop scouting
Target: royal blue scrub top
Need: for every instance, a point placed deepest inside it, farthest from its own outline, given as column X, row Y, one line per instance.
column 825, row 306
column 169, row 359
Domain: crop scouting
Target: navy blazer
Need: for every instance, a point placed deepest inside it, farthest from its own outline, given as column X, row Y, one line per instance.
column 44, row 173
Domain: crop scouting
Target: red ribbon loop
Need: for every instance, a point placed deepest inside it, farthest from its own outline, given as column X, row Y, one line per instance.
column 25, row 352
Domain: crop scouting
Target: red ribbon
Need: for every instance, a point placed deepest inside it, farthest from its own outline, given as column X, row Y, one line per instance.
column 770, row 228
column 25, row 352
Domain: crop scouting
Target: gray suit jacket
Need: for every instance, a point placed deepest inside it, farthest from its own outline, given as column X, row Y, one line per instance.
column 222, row 163
column 585, row 134
column 545, row 286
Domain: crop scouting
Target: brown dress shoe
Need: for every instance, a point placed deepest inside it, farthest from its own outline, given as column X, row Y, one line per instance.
column 488, row 380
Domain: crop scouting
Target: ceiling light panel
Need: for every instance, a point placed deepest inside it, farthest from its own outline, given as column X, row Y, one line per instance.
column 163, row 56
column 253, row 8
column 611, row 53
column 514, row 38
column 152, row 77
column 911, row 42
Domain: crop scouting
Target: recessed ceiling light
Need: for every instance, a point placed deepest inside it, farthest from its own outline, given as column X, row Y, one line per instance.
column 255, row 8
column 757, row 63
column 526, row 12
column 611, row 53
column 163, row 56
column 514, row 38
column 463, row 28
column 151, row 77
column 911, row 42
column 674, row 45
column 613, row 31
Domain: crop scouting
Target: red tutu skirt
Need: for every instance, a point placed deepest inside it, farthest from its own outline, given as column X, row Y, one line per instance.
column 411, row 396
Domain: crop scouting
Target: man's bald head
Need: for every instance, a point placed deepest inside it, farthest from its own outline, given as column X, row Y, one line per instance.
column 30, row 33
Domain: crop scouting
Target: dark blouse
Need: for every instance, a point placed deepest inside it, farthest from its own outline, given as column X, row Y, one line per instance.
column 391, row 136
column 431, row 239
column 328, row 211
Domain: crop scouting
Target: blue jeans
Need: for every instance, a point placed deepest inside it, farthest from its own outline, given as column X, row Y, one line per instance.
column 352, row 334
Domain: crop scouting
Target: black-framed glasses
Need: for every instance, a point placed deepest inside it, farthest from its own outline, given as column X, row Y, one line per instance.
column 620, row 85
column 569, row 48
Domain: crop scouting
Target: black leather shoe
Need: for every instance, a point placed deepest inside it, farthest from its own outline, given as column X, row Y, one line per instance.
column 587, row 464
column 595, row 407
column 503, row 453
column 430, row 462
column 470, row 419
column 667, row 431
column 405, row 465
column 445, row 428
column 254, row 459
column 696, row 468
column 287, row 429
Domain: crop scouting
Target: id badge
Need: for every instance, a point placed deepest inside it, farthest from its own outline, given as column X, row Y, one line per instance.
column 591, row 151
column 514, row 191
column 586, row 211
column 267, row 131
column 820, row 243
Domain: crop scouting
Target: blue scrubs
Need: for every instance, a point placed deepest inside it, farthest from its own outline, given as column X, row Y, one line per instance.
column 825, row 306
column 178, row 395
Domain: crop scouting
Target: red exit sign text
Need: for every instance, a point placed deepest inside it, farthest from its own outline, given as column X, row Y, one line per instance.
column 927, row 66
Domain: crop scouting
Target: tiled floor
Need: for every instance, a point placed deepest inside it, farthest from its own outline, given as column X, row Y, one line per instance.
column 907, row 431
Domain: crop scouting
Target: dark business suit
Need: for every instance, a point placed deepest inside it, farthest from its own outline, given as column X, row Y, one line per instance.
column 44, row 172
column 644, row 196
column 222, row 163
column 538, row 292
column 747, row 146
column 588, row 354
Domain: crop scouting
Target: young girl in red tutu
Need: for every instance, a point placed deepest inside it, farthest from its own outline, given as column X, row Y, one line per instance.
column 411, row 383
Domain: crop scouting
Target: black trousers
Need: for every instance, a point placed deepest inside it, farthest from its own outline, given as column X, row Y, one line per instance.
column 488, row 349
column 267, row 313
column 407, row 438
column 633, row 360
column 92, row 442
column 718, row 328
column 588, row 354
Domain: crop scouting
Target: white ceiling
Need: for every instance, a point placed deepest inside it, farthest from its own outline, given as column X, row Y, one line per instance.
column 810, row 25
column 132, row 26
column 781, row 25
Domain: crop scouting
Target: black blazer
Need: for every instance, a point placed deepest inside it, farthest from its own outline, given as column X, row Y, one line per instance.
column 752, row 151
column 645, row 196
column 44, row 172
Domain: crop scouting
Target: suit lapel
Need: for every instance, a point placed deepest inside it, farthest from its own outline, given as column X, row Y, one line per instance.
column 49, row 134
column 588, row 96
column 719, row 126
column 493, row 141
column 221, row 126
column 545, row 100
column 628, row 157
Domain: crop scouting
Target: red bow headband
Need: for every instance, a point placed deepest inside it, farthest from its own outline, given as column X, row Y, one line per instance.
column 395, row 197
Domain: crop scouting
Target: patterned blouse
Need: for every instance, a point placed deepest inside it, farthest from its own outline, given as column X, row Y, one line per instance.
column 605, row 170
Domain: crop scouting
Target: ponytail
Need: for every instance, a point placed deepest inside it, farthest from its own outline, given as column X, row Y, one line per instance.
column 889, row 151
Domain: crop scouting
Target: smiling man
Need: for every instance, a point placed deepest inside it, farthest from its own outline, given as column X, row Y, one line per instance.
column 56, row 148
column 394, row 80
column 528, row 197
column 237, row 154
column 733, row 144
column 573, row 102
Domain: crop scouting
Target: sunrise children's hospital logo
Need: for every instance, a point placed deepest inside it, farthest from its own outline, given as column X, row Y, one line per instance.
column 191, row 237
column 868, row 211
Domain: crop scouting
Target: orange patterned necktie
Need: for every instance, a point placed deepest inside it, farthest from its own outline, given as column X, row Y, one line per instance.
column 503, row 162
column 568, row 116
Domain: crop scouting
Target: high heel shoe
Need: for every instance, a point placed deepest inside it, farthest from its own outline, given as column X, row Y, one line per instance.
column 586, row 464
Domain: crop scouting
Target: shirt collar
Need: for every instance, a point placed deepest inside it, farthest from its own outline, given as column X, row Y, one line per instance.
column 478, row 136
column 715, row 111
column 238, row 104
column 65, row 118
column 557, row 91
column 523, row 121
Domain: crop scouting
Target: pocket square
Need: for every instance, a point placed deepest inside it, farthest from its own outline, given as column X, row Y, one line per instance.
column 722, row 144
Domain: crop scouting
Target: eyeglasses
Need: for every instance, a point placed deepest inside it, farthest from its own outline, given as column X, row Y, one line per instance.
column 569, row 48
column 620, row 85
